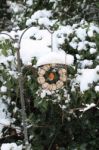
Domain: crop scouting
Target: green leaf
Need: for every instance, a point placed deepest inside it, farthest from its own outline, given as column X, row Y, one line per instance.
column 97, row 4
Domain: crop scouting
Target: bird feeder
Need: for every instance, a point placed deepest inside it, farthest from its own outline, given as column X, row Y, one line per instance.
column 52, row 76
column 52, row 71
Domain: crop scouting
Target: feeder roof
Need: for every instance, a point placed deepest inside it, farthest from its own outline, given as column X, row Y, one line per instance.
column 57, row 57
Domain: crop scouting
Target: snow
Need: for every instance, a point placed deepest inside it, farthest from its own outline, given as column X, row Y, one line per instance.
column 81, row 33
column 62, row 106
column 41, row 14
column 32, row 48
column 29, row 22
column 87, row 77
column 92, row 29
column 78, row 56
column 52, row 0
column 4, row 117
column 40, row 17
column 15, row 7
column 90, row 33
column 73, row 44
column 36, row 48
column 97, row 69
column 29, row 2
column 65, row 30
column 44, row 21
column 97, row 57
column 41, row 46
column 97, row 88
column 45, row 92
column 11, row 146
column 92, row 50
column 3, row 36
column 5, row 59
column 3, row 89
column 58, row 57
column 81, row 46
column 88, row 106
column 86, row 63
column 91, row 44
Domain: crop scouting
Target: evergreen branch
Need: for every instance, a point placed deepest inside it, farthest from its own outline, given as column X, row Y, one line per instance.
column 52, row 142
column 11, row 137
column 97, row 102
column 50, row 146
column 84, row 109
column 41, row 126
column 10, row 126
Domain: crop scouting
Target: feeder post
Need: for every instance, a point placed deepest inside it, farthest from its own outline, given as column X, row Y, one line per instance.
column 21, row 87
column 16, row 41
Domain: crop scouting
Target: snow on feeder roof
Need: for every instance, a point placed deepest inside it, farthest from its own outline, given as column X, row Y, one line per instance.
column 57, row 57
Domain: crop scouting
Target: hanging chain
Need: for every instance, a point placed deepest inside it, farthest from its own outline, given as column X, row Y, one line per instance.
column 51, row 32
column 51, row 41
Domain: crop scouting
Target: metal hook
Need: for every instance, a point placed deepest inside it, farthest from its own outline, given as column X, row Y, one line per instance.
column 7, row 35
column 19, row 42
